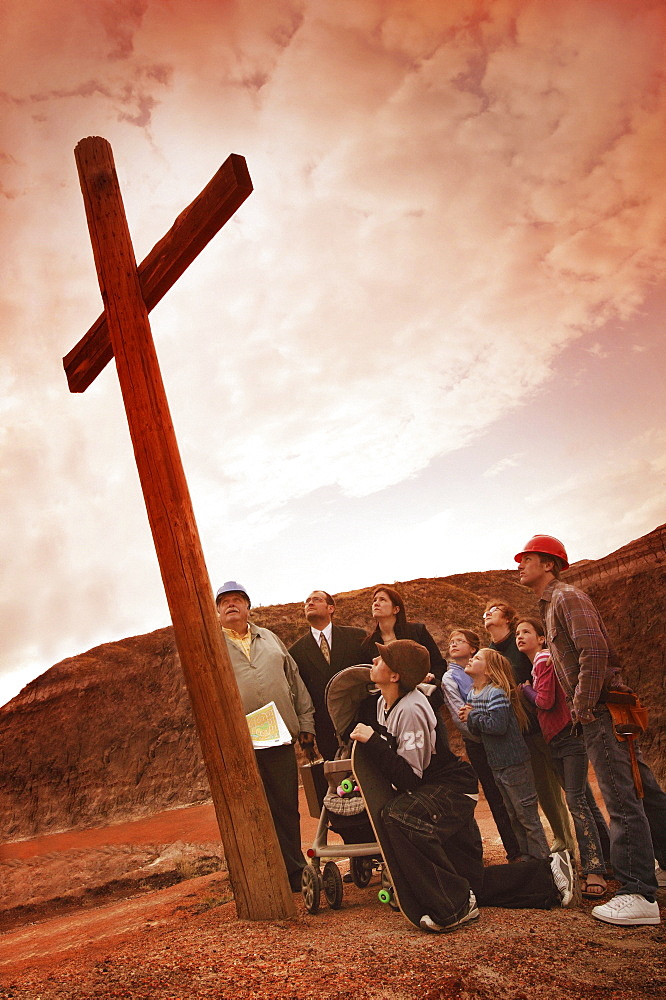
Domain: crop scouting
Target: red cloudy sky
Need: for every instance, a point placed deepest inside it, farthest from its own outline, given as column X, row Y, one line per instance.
column 435, row 327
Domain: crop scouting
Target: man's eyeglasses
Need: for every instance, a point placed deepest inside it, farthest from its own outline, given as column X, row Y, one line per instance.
column 488, row 613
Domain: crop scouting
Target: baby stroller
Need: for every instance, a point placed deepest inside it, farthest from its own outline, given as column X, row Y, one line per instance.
column 340, row 806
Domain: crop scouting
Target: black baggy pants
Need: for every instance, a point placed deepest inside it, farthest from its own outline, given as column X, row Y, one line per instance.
column 438, row 845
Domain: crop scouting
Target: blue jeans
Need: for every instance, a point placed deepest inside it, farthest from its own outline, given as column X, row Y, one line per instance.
column 549, row 790
column 570, row 762
column 632, row 853
column 479, row 761
column 600, row 822
column 516, row 783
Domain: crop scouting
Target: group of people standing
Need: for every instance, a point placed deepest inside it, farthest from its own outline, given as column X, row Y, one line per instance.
column 523, row 757
column 531, row 710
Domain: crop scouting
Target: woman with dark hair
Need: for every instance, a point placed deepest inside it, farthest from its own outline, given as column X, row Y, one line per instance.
column 390, row 617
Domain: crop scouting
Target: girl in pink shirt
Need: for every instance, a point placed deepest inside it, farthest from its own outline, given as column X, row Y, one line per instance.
column 567, row 748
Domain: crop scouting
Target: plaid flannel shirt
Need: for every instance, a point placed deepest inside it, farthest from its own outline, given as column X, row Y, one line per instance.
column 583, row 657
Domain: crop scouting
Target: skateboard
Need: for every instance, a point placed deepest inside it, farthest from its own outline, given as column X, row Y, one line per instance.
column 376, row 790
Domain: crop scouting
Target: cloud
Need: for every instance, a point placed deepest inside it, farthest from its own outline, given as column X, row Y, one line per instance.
column 634, row 469
column 597, row 351
column 468, row 252
column 510, row 462
column 446, row 197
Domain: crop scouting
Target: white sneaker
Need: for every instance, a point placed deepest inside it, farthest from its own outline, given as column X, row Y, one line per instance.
column 563, row 875
column 660, row 875
column 629, row 910
column 428, row 924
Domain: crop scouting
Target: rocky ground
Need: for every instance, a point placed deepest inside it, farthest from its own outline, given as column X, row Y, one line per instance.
column 126, row 912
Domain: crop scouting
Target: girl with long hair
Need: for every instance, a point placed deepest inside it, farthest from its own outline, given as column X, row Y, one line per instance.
column 495, row 712
column 463, row 644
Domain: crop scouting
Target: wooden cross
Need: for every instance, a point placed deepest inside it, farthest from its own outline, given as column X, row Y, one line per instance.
column 256, row 868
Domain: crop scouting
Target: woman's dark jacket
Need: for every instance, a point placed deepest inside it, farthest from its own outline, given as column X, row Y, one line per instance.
column 412, row 630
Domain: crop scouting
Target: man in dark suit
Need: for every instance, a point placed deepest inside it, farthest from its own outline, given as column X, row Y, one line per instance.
column 320, row 653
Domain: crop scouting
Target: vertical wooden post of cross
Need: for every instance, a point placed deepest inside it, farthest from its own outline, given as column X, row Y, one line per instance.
column 255, row 864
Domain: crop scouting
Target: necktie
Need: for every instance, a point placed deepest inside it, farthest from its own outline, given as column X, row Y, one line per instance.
column 325, row 648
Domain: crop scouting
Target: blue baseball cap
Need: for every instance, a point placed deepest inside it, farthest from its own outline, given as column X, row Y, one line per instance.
column 232, row 587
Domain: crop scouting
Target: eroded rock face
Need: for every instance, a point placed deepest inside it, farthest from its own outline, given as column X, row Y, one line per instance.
column 109, row 735
column 99, row 738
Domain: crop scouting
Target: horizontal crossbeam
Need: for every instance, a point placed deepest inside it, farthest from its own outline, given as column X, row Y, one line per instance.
column 192, row 230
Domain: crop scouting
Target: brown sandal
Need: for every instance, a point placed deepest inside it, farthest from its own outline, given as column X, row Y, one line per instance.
column 593, row 889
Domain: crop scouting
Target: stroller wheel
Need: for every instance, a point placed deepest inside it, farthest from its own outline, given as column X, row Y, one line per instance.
column 360, row 870
column 332, row 884
column 311, row 888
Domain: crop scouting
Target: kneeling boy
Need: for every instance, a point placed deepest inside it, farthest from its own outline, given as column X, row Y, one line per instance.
column 431, row 820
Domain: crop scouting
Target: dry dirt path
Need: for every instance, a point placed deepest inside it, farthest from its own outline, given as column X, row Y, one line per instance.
column 184, row 942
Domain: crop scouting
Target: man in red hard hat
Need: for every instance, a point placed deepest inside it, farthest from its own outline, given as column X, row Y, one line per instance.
column 587, row 667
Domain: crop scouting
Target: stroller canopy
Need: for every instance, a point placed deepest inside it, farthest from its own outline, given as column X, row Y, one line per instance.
column 344, row 693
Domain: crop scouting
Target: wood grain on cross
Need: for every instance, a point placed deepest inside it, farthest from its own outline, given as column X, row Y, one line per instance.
column 255, row 863
column 165, row 263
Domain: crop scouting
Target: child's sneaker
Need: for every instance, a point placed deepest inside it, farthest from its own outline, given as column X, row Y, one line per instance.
column 428, row 924
column 630, row 910
column 563, row 875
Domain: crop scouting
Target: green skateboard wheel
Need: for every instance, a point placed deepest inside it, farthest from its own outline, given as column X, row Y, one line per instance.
column 385, row 895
